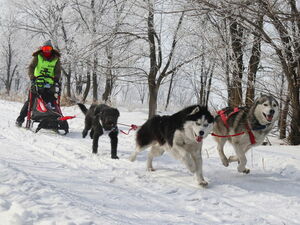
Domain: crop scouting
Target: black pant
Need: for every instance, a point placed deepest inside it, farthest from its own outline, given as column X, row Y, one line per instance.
column 46, row 94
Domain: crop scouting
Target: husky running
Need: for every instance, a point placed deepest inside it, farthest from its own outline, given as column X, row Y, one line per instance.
column 244, row 128
column 181, row 134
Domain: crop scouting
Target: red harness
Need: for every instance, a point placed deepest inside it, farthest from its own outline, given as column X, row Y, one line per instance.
column 224, row 117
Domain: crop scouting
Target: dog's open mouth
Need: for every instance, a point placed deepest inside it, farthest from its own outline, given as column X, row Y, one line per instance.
column 268, row 117
column 198, row 138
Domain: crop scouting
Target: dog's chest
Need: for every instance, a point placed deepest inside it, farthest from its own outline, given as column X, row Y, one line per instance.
column 181, row 140
column 107, row 132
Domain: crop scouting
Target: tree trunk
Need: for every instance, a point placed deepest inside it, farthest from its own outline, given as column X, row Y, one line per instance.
column 169, row 91
column 228, row 80
column 109, row 79
column 79, row 85
column 87, row 87
column 68, row 80
column 283, row 118
column 153, row 87
column 237, row 58
column 253, row 66
column 281, row 100
column 209, row 84
column 108, row 88
column 94, row 77
column 294, row 136
column 153, row 91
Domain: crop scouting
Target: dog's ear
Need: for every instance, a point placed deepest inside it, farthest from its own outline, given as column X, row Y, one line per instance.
column 195, row 110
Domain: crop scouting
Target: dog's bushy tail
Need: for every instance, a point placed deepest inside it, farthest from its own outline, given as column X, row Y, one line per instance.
column 83, row 108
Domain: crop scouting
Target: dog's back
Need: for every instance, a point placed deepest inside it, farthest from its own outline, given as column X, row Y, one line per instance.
column 161, row 129
column 150, row 132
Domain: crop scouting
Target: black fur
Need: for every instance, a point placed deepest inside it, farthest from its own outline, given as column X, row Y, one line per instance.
column 53, row 124
column 162, row 128
column 108, row 117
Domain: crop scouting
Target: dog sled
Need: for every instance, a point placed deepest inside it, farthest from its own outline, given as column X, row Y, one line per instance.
column 46, row 113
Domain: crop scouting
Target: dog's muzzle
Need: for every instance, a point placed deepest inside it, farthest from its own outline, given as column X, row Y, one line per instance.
column 200, row 136
column 269, row 117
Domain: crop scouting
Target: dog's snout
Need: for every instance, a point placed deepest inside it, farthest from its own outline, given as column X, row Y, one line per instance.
column 201, row 133
column 272, row 111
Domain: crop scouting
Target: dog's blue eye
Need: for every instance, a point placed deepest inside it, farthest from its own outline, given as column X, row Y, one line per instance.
column 265, row 104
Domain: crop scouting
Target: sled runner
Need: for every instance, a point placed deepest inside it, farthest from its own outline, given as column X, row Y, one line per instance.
column 46, row 111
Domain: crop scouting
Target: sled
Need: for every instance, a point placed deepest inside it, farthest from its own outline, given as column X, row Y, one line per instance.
column 48, row 116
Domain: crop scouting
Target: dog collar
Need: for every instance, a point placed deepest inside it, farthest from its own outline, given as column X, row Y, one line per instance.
column 259, row 127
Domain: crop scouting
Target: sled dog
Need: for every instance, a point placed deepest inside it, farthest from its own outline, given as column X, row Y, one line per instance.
column 100, row 118
column 244, row 128
column 181, row 134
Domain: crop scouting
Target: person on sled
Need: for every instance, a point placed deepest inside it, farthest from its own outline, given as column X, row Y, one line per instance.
column 44, row 71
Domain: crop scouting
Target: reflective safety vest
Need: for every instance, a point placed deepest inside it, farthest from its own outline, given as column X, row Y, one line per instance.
column 45, row 68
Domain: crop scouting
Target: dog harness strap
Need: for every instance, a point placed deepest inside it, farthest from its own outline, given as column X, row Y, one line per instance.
column 224, row 117
column 225, row 136
column 251, row 135
column 132, row 127
column 66, row 117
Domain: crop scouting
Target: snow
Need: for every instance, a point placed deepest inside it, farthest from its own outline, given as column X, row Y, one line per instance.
column 53, row 179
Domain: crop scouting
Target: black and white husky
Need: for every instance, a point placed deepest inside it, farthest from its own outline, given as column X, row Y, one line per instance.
column 245, row 128
column 181, row 134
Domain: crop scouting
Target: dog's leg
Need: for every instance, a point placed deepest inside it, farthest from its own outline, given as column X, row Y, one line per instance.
column 92, row 133
column 114, row 143
column 96, row 136
column 181, row 154
column 221, row 143
column 87, row 127
column 241, row 154
column 154, row 152
column 138, row 149
column 189, row 162
column 197, row 157
column 233, row 158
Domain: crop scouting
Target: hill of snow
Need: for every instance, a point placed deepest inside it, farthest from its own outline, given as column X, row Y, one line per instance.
column 47, row 178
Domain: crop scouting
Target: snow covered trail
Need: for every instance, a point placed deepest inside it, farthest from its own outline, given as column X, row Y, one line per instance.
column 46, row 178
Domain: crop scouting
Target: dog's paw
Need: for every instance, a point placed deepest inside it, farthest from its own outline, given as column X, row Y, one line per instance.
column 114, row 157
column 84, row 133
column 151, row 169
column 243, row 170
column 132, row 158
column 203, row 183
column 225, row 162
column 246, row 171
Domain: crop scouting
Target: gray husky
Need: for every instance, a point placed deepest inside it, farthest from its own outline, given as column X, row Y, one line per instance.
column 180, row 134
column 244, row 128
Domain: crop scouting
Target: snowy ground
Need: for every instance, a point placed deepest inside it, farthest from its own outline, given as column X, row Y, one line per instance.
column 50, row 179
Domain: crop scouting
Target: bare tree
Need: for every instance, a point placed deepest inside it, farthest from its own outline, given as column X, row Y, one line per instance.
column 10, row 56
column 253, row 64
column 236, row 33
column 157, row 71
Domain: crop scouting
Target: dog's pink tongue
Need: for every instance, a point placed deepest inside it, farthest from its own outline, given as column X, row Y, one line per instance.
column 199, row 138
column 269, row 118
